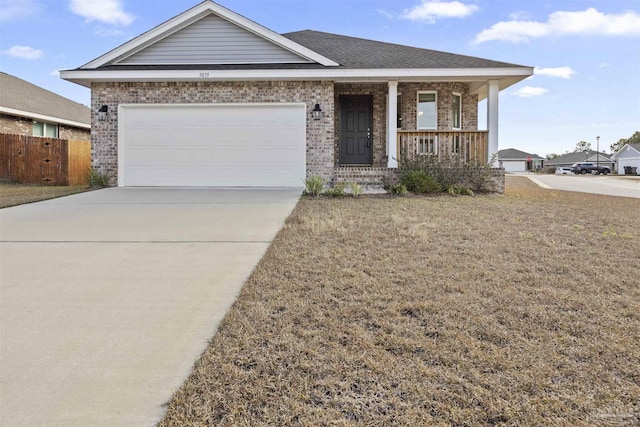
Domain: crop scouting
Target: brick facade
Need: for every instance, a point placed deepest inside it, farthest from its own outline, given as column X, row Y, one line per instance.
column 24, row 126
column 320, row 136
column 323, row 136
column 444, row 90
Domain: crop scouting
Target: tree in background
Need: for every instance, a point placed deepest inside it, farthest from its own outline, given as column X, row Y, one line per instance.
column 582, row 146
column 634, row 139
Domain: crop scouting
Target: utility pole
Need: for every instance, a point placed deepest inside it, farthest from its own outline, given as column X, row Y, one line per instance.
column 598, row 152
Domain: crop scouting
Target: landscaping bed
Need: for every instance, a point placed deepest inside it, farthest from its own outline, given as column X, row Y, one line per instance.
column 516, row 309
column 13, row 194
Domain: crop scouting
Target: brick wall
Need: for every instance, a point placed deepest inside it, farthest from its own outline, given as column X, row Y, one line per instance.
column 74, row 134
column 445, row 91
column 16, row 125
column 23, row 126
column 320, row 133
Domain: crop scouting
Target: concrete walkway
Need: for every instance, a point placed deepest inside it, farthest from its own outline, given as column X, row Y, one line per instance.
column 107, row 298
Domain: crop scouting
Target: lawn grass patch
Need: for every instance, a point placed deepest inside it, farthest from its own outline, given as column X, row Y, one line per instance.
column 13, row 194
column 515, row 309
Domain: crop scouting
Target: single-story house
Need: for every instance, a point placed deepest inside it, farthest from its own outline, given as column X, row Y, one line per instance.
column 211, row 98
column 627, row 157
column 512, row 160
column 566, row 160
column 27, row 109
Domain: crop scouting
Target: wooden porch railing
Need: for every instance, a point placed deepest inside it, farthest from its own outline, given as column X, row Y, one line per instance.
column 472, row 146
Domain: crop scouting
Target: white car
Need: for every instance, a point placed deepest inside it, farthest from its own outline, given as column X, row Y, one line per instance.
column 563, row 171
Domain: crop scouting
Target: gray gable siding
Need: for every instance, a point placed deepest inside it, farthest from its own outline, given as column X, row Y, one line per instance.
column 212, row 40
column 629, row 152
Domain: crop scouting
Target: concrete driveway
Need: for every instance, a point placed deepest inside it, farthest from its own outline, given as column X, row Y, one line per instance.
column 107, row 298
column 610, row 185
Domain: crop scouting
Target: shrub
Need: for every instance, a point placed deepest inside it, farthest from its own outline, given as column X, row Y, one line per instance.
column 398, row 189
column 355, row 189
column 97, row 179
column 449, row 171
column 336, row 191
column 455, row 190
column 418, row 181
column 314, row 185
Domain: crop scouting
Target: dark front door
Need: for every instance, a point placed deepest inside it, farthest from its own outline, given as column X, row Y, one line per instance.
column 356, row 137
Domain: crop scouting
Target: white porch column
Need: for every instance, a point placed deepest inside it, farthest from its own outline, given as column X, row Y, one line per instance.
column 392, row 125
column 492, row 117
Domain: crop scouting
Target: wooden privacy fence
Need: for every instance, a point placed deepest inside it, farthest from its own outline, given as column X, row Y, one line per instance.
column 35, row 160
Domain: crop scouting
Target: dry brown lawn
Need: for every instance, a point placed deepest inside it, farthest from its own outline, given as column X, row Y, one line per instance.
column 522, row 309
column 13, row 194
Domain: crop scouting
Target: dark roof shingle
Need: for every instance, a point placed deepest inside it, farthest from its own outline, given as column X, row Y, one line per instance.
column 21, row 95
column 352, row 52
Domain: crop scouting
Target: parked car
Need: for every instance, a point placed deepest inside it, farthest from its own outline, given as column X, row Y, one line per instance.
column 563, row 171
column 586, row 167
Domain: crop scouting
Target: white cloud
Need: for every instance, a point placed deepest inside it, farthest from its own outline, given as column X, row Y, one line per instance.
column 587, row 22
column 529, row 91
column 431, row 10
column 11, row 10
column 55, row 73
column 23, row 52
column 561, row 72
column 105, row 32
column 107, row 11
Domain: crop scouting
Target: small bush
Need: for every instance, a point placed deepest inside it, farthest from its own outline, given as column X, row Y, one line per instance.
column 336, row 191
column 398, row 189
column 97, row 179
column 455, row 190
column 355, row 189
column 418, row 181
column 314, row 185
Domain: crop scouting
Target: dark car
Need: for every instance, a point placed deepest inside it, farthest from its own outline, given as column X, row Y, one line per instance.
column 584, row 168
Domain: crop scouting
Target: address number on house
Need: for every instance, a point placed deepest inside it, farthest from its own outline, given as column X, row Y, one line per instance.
column 204, row 75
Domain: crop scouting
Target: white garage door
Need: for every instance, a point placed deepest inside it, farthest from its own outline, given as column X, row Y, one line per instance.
column 226, row 145
column 627, row 162
column 514, row 166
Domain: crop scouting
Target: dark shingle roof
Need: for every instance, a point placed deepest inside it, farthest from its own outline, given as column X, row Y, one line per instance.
column 580, row 156
column 21, row 95
column 513, row 154
column 352, row 52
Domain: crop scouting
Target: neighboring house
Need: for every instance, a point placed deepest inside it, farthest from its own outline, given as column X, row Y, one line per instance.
column 512, row 160
column 627, row 157
column 211, row 98
column 566, row 160
column 27, row 109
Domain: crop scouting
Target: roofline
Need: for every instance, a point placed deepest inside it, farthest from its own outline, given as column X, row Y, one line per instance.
column 43, row 117
column 507, row 76
column 197, row 12
column 615, row 155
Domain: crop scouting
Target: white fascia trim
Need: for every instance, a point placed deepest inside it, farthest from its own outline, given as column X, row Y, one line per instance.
column 43, row 117
column 195, row 13
column 463, row 74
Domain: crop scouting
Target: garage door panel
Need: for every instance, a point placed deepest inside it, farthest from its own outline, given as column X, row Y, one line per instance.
column 213, row 145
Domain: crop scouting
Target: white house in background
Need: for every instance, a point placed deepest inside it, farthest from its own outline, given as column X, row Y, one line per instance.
column 512, row 160
column 627, row 157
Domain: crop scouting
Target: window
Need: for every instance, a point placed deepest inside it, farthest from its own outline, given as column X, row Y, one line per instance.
column 427, row 110
column 48, row 130
column 456, row 105
column 399, row 111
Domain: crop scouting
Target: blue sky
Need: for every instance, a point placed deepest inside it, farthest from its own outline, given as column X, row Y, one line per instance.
column 587, row 53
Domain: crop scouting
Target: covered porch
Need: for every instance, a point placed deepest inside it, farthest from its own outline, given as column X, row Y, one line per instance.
column 378, row 123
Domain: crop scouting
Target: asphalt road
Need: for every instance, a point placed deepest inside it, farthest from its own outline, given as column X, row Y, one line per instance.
column 610, row 185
